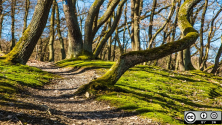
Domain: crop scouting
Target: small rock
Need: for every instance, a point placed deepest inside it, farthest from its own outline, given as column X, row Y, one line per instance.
column 149, row 121
column 53, row 119
column 9, row 116
column 87, row 95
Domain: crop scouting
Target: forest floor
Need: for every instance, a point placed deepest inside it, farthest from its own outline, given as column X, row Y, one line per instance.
column 55, row 104
column 146, row 94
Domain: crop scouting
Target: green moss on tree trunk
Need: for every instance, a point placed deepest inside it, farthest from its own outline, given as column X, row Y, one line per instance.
column 130, row 59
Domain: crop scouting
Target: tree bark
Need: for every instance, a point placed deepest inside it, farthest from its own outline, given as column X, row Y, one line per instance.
column 132, row 25
column 216, row 64
column 130, row 59
column 75, row 37
column 204, row 61
column 187, row 60
column 111, row 30
column 13, row 4
column 201, row 34
column 52, row 33
column 24, row 48
column 114, row 50
column 89, row 25
column 108, row 13
column 180, row 61
column 1, row 21
column 136, row 25
column 27, row 4
column 151, row 22
column 62, row 48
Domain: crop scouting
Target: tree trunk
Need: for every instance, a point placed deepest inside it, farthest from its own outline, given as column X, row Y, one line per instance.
column 89, row 25
column 132, row 25
column 201, row 34
column 109, row 41
column 62, row 48
column 51, row 39
column 216, row 64
column 13, row 4
column 136, row 25
column 130, row 59
column 111, row 30
column 180, row 61
column 118, row 41
column 1, row 21
column 108, row 13
column 169, row 59
column 187, row 60
column 114, row 50
column 205, row 58
column 75, row 36
column 151, row 22
column 27, row 4
column 24, row 48
column 167, row 21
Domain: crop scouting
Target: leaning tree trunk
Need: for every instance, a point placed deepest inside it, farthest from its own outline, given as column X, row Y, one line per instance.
column 130, row 59
column 25, row 46
column 75, row 36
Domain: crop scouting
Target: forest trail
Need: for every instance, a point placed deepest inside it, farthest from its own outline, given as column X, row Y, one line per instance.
column 55, row 104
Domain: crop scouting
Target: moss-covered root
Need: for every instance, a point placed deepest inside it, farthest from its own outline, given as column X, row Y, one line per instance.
column 94, row 88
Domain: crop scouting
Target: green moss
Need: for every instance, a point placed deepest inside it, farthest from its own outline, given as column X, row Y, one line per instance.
column 14, row 77
column 13, row 56
column 164, row 95
column 154, row 93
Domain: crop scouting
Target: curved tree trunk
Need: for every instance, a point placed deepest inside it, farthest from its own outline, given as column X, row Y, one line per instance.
column 75, row 37
column 26, row 44
column 130, row 59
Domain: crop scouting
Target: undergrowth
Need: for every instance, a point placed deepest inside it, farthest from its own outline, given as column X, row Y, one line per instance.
column 159, row 94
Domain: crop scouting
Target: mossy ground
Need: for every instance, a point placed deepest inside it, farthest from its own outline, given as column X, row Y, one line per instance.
column 159, row 94
column 14, row 78
column 85, row 63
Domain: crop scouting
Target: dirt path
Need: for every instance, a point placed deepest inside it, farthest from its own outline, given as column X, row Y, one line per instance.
column 55, row 104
